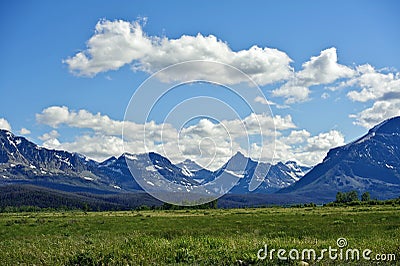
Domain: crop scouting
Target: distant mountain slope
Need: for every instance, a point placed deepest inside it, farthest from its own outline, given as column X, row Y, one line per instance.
column 22, row 161
column 33, row 159
column 371, row 163
column 271, row 177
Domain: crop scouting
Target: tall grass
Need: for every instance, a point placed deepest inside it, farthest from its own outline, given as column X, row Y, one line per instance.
column 186, row 237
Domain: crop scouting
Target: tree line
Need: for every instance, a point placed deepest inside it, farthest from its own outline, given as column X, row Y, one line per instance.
column 345, row 197
column 352, row 198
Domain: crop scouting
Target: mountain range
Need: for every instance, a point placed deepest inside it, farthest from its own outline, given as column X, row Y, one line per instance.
column 370, row 163
column 22, row 161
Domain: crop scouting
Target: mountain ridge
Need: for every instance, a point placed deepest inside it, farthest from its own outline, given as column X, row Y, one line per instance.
column 370, row 163
column 23, row 161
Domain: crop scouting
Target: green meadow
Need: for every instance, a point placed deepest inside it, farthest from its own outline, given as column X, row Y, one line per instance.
column 196, row 237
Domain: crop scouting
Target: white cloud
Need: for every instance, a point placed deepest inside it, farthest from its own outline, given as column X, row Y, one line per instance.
column 309, row 150
column 54, row 116
column 4, row 124
column 325, row 141
column 383, row 89
column 118, row 43
column 264, row 101
column 98, row 147
column 374, row 84
column 322, row 69
column 54, row 144
column 325, row 95
column 193, row 141
column 303, row 148
column 296, row 137
column 210, row 144
column 24, row 131
column 48, row 136
column 292, row 93
column 256, row 122
column 379, row 111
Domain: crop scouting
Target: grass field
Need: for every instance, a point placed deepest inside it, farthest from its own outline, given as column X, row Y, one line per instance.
column 204, row 237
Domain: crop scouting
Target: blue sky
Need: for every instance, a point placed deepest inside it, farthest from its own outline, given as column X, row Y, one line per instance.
column 38, row 38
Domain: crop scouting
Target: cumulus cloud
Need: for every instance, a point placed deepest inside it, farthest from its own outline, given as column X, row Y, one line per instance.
column 54, row 143
column 162, row 138
column 296, row 137
column 264, row 101
column 302, row 147
column 374, row 84
column 99, row 147
column 292, row 93
column 306, row 149
column 208, row 143
column 378, row 87
column 322, row 69
column 325, row 95
column 24, row 131
column 50, row 135
column 318, row 146
column 4, row 124
column 118, row 43
column 55, row 116
column 325, row 141
column 256, row 123
column 377, row 113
